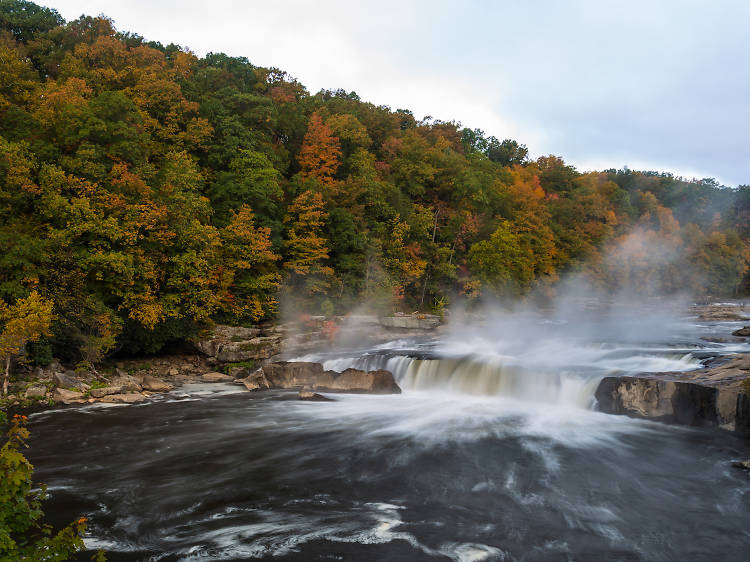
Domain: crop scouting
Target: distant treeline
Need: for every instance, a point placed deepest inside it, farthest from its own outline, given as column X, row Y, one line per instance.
column 147, row 193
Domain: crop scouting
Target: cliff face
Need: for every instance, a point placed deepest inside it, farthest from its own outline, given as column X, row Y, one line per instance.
column 713, row 397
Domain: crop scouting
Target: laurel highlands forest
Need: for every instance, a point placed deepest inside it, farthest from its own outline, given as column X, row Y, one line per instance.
column 147, row 193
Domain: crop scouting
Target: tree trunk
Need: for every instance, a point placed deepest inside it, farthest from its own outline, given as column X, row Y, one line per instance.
column 6, row 377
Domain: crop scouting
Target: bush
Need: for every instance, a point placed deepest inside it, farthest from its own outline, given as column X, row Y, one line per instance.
column 22, row 535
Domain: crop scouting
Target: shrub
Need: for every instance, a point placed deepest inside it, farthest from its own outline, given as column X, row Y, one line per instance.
column 22, row 535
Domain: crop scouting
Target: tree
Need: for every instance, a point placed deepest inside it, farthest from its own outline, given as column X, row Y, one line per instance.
column 26, row 321
column 252, row 279
column 506, row 153
column 320, row 155
column 306, row 248
column 25, row 19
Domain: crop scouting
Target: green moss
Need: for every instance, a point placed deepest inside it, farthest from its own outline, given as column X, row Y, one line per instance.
column 239, row 365
column 99, row 384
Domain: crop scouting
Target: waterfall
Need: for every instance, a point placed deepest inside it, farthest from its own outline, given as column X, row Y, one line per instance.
column 467, row 375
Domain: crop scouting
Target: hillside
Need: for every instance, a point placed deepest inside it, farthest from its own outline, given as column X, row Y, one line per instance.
column 147, row 192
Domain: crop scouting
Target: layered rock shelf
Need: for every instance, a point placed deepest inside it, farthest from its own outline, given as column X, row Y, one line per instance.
column 713, row 397
column 312, row 377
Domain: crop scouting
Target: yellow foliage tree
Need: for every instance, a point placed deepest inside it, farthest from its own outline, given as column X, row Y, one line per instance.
column 26, row 321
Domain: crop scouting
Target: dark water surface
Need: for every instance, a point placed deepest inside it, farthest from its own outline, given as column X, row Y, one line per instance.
column 422, row 476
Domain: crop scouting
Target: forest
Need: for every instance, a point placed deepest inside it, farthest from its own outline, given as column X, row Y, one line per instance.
column 147, row 193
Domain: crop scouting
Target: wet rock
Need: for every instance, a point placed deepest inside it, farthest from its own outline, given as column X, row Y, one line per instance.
column 105, row 391
column 128, row 398
column 216, row 377
column 38, row 391
column 714, row 396
column 154, row 384
column 742, row 332
column 256, row 381
column 313, row 397
column 68, row 396
column 742, row 464
column 723, row 339
column 666, row 400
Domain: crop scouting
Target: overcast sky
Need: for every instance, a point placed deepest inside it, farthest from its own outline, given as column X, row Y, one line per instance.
column 658, row 85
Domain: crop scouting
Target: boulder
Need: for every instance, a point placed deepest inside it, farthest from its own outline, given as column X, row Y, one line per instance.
column 64, row 380
column 127, row 398
column 256, row 381
column 311, row 376
column 742, row 464
column 356, row 381
column 313, row 397
column 155, row 385
column 68, row 396
column 293, row 374
column 216, row 377
column 37, row 391
column 128, row 383
column 742, row 332
column 105, row 391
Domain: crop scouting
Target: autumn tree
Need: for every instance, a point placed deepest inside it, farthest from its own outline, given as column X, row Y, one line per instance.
column 306, row 250
column 320, row 155
column 251, row 276
column 25, row 321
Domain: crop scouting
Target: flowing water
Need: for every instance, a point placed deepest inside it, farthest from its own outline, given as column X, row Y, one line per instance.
column 494, row 451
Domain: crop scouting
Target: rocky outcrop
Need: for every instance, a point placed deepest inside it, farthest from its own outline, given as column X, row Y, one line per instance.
column 742, row 332
column 720, row 313
column 231, row 344
column 312, row 377
column 712, row 397
column 411, row 322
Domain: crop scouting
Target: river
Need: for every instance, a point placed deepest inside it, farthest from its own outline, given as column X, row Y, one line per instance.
column 494, row 451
